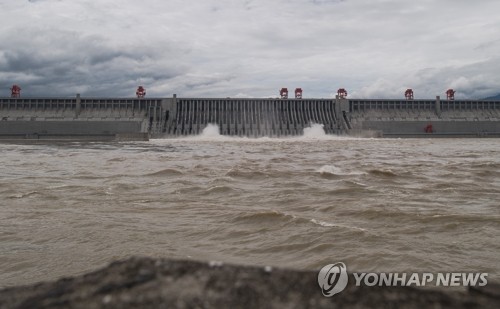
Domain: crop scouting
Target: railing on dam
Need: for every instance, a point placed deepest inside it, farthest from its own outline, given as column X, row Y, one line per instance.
column 253, row 117
column 37, row 103
column 469, row 105
column 436, row 105
column 72, row 103
column 363, row 105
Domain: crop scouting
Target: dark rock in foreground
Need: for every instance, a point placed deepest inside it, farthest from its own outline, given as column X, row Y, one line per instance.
column 163, row 283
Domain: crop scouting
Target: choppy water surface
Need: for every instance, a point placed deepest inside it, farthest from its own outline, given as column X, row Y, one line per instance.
column 376, row 204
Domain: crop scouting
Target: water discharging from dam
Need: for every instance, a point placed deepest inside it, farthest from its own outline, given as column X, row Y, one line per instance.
column 314, row 132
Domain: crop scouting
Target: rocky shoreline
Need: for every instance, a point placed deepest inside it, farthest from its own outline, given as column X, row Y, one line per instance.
column 163, row 283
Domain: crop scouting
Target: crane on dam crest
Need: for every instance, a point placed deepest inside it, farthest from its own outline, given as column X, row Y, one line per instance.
column 409, row 94
column 141, row 92
column 342, row 93
column 15, row 91
column 450, row 94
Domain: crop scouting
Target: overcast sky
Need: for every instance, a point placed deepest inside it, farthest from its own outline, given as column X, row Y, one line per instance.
column 250, row 48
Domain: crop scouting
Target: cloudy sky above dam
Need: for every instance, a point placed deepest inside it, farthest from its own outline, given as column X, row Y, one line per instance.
column 250, row 48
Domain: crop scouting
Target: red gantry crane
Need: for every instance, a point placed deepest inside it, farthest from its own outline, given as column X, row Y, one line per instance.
column 284, row 93
column 15, row 91
column 141, row 92
column 342, row 93
column 409, row 94
column 450, row 94
column 298, row 93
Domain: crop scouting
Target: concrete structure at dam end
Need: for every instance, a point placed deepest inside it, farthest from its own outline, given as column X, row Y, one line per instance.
column 143, row 118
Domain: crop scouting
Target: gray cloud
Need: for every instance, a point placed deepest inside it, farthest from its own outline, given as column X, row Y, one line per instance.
column 250, row 47
column 62, row 62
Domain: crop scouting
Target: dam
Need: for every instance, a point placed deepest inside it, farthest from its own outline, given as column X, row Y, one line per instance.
column 143, row 118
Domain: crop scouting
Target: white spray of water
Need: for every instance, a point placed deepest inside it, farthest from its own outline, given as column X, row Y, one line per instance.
column 211, row 130
column 210, row 133
column 315, row 131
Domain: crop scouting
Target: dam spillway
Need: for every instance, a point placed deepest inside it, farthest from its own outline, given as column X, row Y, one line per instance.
column 253, row 117
column 142, row 118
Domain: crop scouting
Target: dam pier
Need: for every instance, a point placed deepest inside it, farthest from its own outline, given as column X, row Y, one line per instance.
column 143, row 118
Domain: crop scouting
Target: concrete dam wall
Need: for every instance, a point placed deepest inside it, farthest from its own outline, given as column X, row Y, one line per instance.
column 253, row 117
column 430, row 118
column 122, row 118
column 81, row 118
